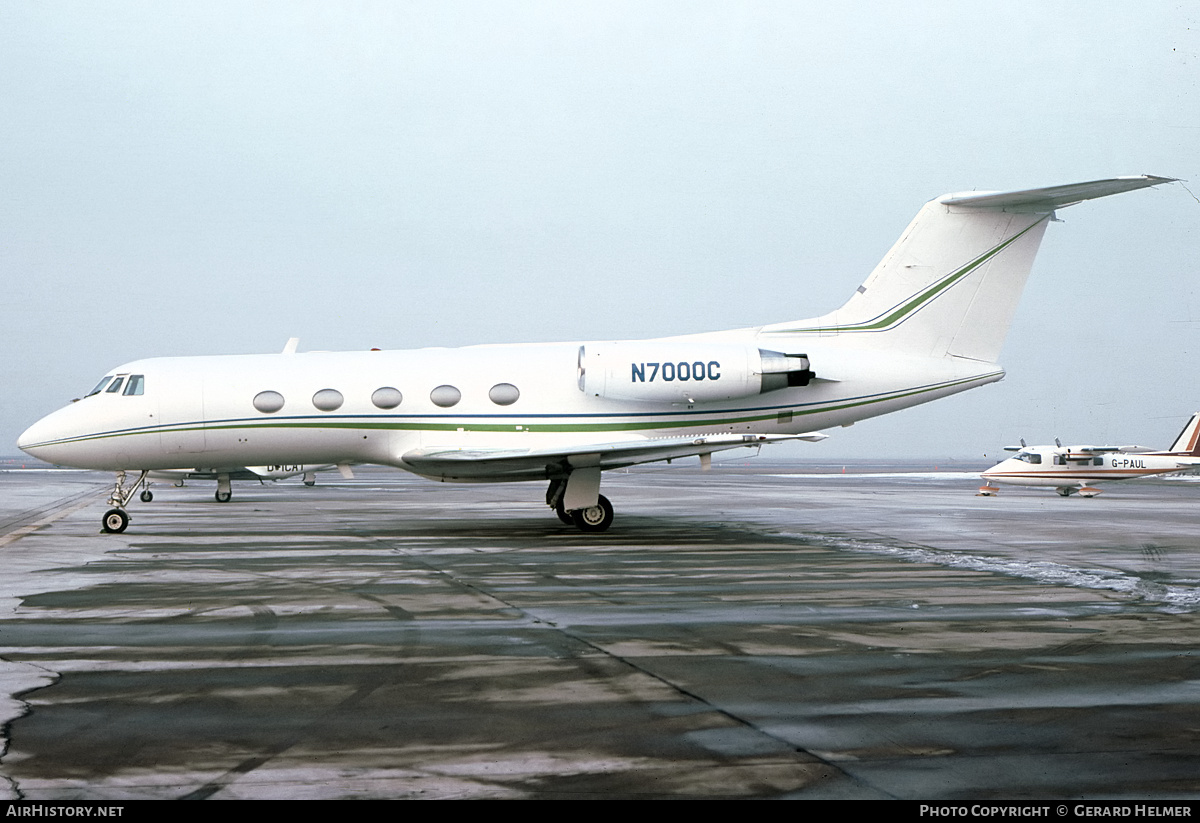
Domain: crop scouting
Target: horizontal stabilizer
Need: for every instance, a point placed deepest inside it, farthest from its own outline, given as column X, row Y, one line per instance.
column 1053, row 197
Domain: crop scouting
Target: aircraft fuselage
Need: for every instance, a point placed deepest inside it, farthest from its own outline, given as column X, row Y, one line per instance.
column 212, row 412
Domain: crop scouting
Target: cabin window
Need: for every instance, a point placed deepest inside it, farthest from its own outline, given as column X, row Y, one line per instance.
column 115, row 386
column 1035, row 458
column 387, row 398
column 268, row 402
column 504, row 394
column 1097, row 461
column 445, row 396
column 1059, row 460
column 328, row 399
column 99, row 386
column 136, row 385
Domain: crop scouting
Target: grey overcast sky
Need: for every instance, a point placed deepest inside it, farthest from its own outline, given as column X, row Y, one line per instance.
column 216, row 177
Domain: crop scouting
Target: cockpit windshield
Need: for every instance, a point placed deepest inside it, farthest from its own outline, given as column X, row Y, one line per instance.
column 99, row 386
column 1029, row 457
column 135, row 385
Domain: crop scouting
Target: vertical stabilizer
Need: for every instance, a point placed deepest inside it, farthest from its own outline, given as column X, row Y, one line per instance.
column 951, row 283
column 1188, row 441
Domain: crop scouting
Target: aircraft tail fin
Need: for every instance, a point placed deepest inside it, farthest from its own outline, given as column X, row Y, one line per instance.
column 951, row 283
column 1188, row 441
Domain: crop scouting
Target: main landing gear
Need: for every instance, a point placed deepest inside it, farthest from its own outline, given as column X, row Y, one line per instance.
column 595, row 518
column 1082, row 491
column 116, row 519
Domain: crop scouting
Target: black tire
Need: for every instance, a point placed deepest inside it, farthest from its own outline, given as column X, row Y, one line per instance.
column 224, row 497
column 563, row 514
column 115, row 521
column 595, row 519
column 146, row 495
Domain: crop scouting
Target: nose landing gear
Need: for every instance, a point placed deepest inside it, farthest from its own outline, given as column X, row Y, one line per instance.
column 116, row 519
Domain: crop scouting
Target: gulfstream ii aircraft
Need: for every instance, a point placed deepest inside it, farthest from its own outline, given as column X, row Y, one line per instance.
column 927, row 323
column 1069, row 469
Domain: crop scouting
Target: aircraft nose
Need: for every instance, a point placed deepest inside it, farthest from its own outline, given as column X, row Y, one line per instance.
column 32, row 440
column 46, row 439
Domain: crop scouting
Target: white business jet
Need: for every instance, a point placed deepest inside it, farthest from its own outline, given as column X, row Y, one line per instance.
column 1069, row 469
column 927, row 323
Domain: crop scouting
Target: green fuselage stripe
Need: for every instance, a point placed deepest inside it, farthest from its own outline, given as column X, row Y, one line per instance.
column 692, row 420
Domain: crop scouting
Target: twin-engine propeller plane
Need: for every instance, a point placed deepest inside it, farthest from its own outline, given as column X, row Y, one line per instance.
column 1069, row 469
column 927, row 323
column 223, row 477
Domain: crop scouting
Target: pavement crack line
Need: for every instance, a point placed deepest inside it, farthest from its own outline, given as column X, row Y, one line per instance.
column 583, row 641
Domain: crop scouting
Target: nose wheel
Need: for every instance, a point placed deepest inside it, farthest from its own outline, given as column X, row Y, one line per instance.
column 116, row 519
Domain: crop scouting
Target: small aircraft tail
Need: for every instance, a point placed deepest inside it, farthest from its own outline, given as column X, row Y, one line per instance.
column 1188, row 441
column 951, row 283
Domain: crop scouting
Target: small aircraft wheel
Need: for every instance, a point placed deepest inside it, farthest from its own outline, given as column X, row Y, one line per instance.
column 1064, row 492
column 595, row 518
column 224, row 497
column 115, row 521
column 310, row 482
column 146, row 496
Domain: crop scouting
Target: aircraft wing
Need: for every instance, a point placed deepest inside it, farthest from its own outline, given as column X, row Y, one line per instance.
column 536, row 464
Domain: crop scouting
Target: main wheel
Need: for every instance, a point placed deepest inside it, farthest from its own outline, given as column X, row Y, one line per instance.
column 563, row 514
column 146, row 495
column 1064, row 492
column 115, row 521
column 224, row 497
column 594, row 518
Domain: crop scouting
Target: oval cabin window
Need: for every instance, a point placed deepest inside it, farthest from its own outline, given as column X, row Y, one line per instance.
column 445, row 396
column 504, row 394
column 328, row 399
column 387, row 398
column 268, row 402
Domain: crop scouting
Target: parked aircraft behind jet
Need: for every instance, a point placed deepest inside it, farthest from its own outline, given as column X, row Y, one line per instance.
column 224, row 491
column 1069, row 469
column 927, row 323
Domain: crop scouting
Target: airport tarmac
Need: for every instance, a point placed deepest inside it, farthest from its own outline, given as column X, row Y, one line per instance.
column 766, row 629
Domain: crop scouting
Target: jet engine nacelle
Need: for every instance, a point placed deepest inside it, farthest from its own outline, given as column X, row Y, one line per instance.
column 686, row 372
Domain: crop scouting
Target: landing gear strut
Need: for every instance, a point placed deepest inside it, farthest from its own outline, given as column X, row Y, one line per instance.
column 116, row 519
